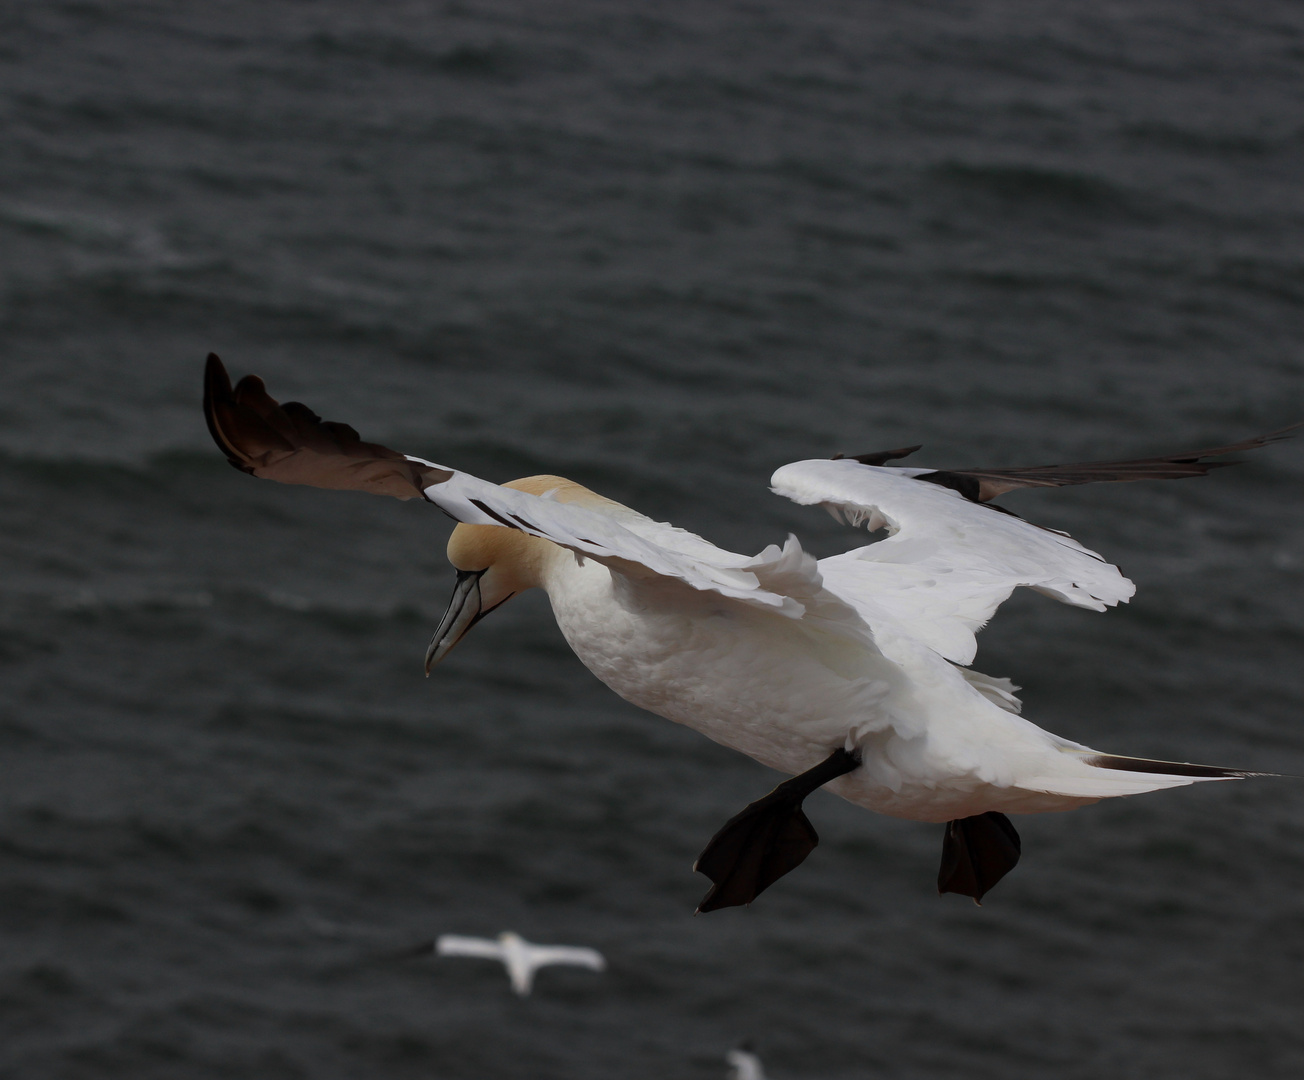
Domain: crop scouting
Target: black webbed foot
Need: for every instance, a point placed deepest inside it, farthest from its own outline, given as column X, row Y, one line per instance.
column 754, row 849
column 766, row 839
column 976, row 853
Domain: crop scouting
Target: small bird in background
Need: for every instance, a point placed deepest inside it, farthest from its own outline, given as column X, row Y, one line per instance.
column 521, row 958
column 744, row 1065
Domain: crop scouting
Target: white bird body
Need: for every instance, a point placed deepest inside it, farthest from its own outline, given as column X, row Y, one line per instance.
column 521, row 958
column 851, row 670
column 785, row 690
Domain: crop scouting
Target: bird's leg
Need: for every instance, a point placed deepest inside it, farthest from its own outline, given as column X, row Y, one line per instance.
column 976, row 853
column 767, row 838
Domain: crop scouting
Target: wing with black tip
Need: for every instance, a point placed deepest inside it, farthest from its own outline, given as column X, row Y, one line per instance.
column 291, row 444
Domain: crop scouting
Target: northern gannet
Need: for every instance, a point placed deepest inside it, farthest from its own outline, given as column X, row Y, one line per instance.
column 521, row 958
column 849, row 672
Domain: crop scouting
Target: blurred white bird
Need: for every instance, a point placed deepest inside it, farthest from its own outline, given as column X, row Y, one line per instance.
column 521, row 958
column 850, row 671
column 746, row 1065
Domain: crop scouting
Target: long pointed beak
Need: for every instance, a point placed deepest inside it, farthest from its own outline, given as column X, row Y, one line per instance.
column 463, row 613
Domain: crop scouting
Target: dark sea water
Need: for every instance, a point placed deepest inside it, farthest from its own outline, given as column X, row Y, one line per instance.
column 661, row 248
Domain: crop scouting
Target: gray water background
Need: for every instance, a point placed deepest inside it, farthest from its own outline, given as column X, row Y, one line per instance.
column 660, row 248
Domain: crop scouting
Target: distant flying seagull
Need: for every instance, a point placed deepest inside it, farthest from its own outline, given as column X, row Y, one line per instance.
column 746, row 1065
column 521, row 958
column 850, row 671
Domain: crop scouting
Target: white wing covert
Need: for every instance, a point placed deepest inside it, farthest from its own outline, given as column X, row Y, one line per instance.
column 631, row 543
column 947, row 563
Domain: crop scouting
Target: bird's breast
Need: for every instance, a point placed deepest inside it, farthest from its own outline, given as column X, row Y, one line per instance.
column 755, row 681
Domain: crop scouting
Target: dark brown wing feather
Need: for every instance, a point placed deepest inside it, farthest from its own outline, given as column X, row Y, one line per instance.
column 881, row 457
column 981, row 485
column 1167, row 768
column 292, row 444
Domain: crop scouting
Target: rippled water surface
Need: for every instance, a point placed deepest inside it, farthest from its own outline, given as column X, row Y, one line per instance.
column 660, row 248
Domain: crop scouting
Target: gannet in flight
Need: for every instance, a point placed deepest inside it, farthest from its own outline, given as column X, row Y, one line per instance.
column 520, row 957
column 849, row 671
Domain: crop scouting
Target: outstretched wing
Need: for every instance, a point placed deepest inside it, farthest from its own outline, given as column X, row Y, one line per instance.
column 983, row 485
column 948, row 562
column 291, row 444
column 575, row 955
column 458, row 945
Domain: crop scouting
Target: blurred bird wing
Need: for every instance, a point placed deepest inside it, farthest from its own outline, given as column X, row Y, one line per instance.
column 577, row 956
column 746, row 1066
column 947, row 563
column 457, row 945
column 291, row 444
